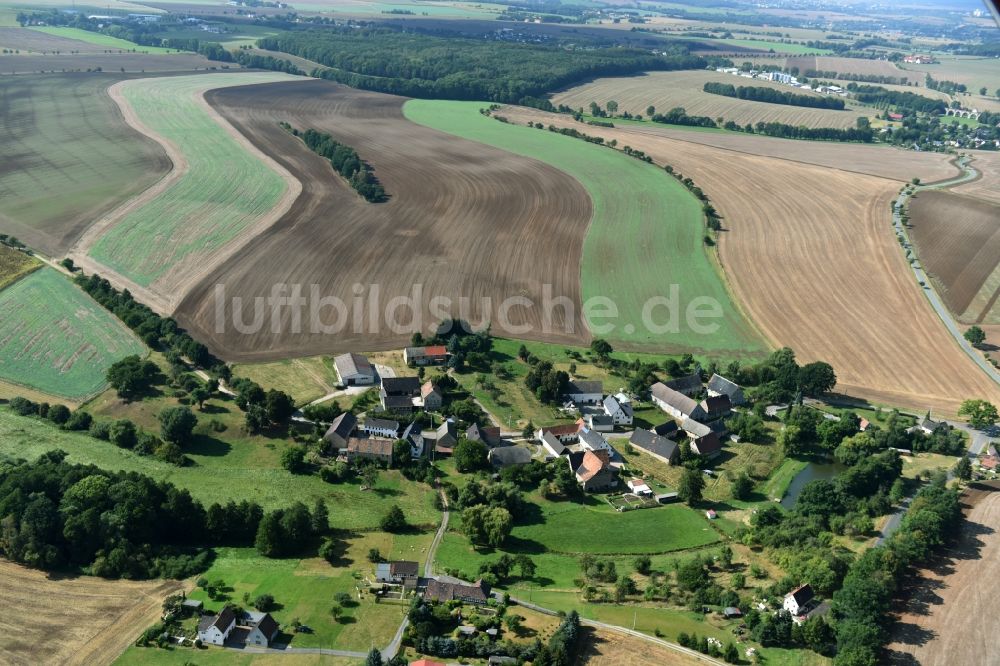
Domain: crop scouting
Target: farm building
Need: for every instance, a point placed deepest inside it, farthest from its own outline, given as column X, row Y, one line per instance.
column 506, row 456
column 667, row 428
column 708, row 446
column 695, row 429
column 674, row 402
column 593, row 470
column 620, row 412
column 929, row 426
column 381, row 428
column 436, row 355
column 661, row 448
column 255, row 629
column 415, row 438
column 553, row 447
column 478, row 593
column 639, row 487
column 397, row 394
column 397, row 571
column 798, row 599
column 689, row 386
column 370, row 448
column 594, row 441
column 719, row 385
column 716, row 407
column 340, row 430
column 447, row 434
column 584, row 392
column 488, row 435
column 354, row 370
column 431, row 397
column 598, row 422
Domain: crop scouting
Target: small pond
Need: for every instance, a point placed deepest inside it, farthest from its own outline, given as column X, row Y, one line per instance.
column 814, row 471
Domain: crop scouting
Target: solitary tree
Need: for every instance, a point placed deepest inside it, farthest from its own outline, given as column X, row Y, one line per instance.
column 177, row 425
column 612, row 106
column 975, row 336
column 393, row 520
column 963, row 469
column 691, row 485
column 650, row 110
column 374, row 658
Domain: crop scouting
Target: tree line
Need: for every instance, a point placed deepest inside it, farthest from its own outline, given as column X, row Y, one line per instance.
column 903, row 100
column 772, row 96
column 345, row 161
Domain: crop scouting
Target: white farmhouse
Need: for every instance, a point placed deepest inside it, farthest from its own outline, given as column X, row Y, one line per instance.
column 215, row 629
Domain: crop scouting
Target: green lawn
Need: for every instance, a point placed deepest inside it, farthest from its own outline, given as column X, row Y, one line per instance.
column 113, row 43
column 68, row 158
column 645, row 239
column 55, row 338
column 213, row 656
column 227, row 466
column 224, row 191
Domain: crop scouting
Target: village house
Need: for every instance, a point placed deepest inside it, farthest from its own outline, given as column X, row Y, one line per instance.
column 716, row 407
column 695, row 429
column 397, row 572
column 567, row 434
column 415, row 438
column 381, row 428
column 661, row 448
column 598, row 422
column 398, row 394
column 340, row 431
column 592, row 440
column 593, row 470
column 929, row 426
column 689, row 386
column 435, row 355
column 507, row 456
column 797, row 601
column 719, row 385
column 447, row 435
column 675, row 403
column 708, row 446
column 370, row 448
column 354, row 370
column 215, row 629
column 255, row 628
column 584, row 392
column 488, row 435
column 553, row 447
column 431, row 397
column 620, row 412
column 478, row 593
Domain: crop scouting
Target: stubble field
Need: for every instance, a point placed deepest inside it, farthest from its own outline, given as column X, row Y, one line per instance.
column 846, row 66
column 958, row 240
column 68, row 157
column 73, row 620
column 666, row 90
column 822, row 273
column 53, row 63
column 33, row 41
column 462, row 220
column 987, row 186
column 102, row 41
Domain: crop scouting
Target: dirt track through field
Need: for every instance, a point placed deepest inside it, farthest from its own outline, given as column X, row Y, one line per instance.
column 73, row 620
column 950, row 616
column 987, row 186
column 816, row 266
column 463, row 220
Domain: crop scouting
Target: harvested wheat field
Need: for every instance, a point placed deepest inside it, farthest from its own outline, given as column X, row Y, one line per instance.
column 32, row 41
column 73, row 620
column 462, row 220
column 601, row 646
column 51, row 63
column 944, row 621
column 820, row 270
column 666, row 90
column 846, row 66
column 987, row 186
column 958, row 240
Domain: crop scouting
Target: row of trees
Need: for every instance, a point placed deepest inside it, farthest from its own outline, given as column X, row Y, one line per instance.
column 899, row 99
column 345, row 161
column 772, row 96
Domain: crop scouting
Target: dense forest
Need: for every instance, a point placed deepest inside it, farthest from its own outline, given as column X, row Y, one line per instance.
column 345, row 161
column 416, row 65
column 772, row 96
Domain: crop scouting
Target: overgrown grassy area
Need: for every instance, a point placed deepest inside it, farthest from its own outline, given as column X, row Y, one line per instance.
column 224, row 190
column 646, row 233
column 174, row 656
column 112, row 43
column 227, row 466
column 777, row 47
column 305, row 379
column 54, row 338
column 14, row 265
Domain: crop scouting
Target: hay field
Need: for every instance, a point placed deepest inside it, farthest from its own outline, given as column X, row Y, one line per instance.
column 937, row 623
column 666, row 90
column 220, row 191
column 106, row 42
column 846, row 66
column 54, row 338
column 14, row 265
column 973, row 71
column 63, row 63
column 73, row 620
column 462, row 220
column 32, row 41
column 69, row 157
column 958, row 240
column 987, row 186
column 819, row 270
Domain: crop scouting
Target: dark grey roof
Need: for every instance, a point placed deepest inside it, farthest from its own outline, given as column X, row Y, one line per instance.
column 650, row 441
column 381, row 424
column 413, row 435
column 353, row 364
column 503, row 456
column 600, row 419
column 403, row 568
column 719, row 384
column 592, row 438
column 401, row 386
column 695, row 428
column 588, row 386
column 391, row 402
column 489, row 435
column 342, row 426
column 553, row 443
column 267, row 626
column 685, row 384
column 803, row 594
column 673, row 397
column 221, row 621
column 667, row 428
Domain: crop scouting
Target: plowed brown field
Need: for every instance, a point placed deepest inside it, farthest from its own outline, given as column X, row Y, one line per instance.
column 987, row 186
column 958, row 240
column 463, row 220
column 950, row 616
column 73, row 620
column 811, row 256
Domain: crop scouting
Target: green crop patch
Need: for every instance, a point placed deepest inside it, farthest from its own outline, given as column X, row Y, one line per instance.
column 54, row 338
column 645, row 241
column 224, row 190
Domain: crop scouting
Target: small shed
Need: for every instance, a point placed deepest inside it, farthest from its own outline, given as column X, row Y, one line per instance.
column 711, row 514
column 192, row 606
column 731, row 612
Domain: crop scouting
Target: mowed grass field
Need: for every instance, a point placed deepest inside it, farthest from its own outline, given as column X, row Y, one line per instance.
column 14, row 265
column 645, row 237
column 221, row 190
column 68, row 157
column 666, row 90
column 78, row 620
column 54, row 338
column 98, row 39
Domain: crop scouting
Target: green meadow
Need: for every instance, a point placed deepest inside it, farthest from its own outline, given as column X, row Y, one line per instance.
column 645, row 239
column 112, row 43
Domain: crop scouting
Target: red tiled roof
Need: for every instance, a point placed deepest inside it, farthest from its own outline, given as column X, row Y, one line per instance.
column 565, row 429
column 590, row 466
